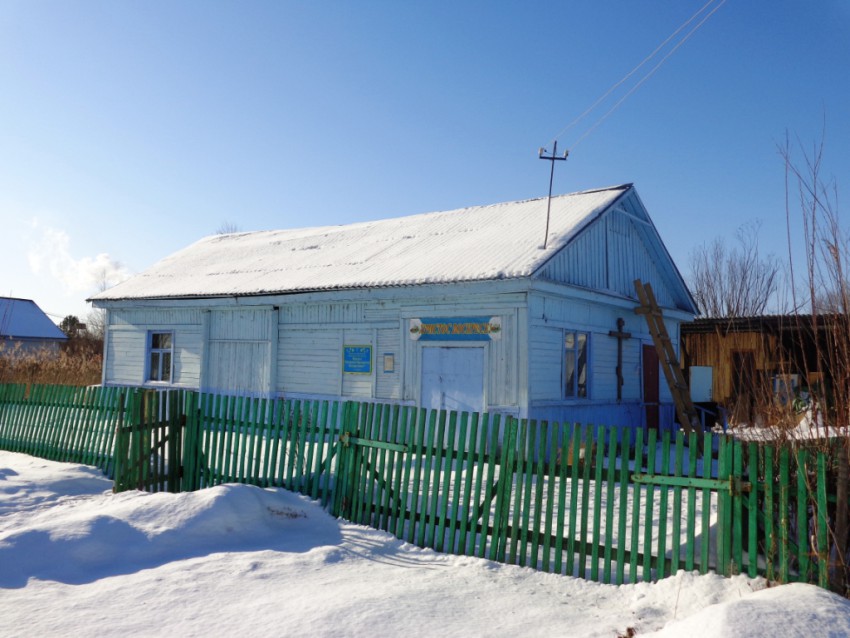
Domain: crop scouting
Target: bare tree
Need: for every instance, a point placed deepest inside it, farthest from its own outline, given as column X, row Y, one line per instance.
column 823, row 287
column 736, row 281
column 227, row 228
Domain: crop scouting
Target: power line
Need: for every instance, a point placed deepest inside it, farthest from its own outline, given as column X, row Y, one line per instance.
column 649, row 74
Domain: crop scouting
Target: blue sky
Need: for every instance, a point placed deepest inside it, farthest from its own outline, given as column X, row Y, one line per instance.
column 130, row 129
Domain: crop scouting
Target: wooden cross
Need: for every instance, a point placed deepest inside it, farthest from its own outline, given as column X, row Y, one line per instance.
column 620, row 336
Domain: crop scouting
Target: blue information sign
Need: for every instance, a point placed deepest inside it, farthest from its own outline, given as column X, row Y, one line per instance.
column 357, row 359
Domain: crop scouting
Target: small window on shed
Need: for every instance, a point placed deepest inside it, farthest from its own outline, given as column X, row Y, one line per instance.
column 575, row 364
column 160, row 350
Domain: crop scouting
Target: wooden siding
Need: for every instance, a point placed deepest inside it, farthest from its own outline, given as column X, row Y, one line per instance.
column 546, row 352
column 309, row 361
column 126, row 362
column 388, row 384
column 715, row 350
column 140, row 316
column 546, row 313
column 322, row 313
column 239, row 351
column 609, row 256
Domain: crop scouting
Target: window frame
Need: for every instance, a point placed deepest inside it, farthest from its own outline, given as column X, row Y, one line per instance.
column 575, row 393
column 150, row 351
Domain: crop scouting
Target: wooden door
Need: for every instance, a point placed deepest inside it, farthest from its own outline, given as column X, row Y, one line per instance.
column 650, row 385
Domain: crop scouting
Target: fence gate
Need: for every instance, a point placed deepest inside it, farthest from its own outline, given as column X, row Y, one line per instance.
column 369, row 489
column 148, row 442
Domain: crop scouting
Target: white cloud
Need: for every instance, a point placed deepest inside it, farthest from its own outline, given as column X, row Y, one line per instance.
column 50, row 254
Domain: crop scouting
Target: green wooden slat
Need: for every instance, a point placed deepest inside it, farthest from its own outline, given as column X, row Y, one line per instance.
column 533, row 436
column 331, row 472
column 705, row 545
column 404, row 433
column 417, row 462
column 585, row 500
column 540, row 480
column 567, row 432
column 228, row 426
column 398, row 498
column 784, row 514
column 651, row 455
column 635, row 544
column 597, row 503
column 517, row 491
column 470, row 438
column 361, row 459
column 625, row 455
column 481, row 487
column 802, row 516
column 822, row 516
column 676, row 536
column 247, row 437
column 293, row 424
column 436, row 491
column 384, row 471
column 359, row 414
column 270, row 443
column 724, row 531
column 507, row 478
column 256, row 434
column 456, row 513
column 373, row 471
column 770, row 545
column 285, row 427
column 610, row 483
column 738, row 511
column 425, row 488
column 321, row 449
column 375, row 468
column 752, row 511
column 661, row 571
column 575, row 446
column 690, row 532
column 244, row 432
column 552, row 475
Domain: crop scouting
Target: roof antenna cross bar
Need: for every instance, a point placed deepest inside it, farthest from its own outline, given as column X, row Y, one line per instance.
column 552, row 158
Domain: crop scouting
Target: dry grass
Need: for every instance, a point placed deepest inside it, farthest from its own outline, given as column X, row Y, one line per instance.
column 70, row 366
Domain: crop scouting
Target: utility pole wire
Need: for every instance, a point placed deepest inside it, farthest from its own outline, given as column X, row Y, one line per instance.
column 647, row 76
column 633, row 71
column 655, row 52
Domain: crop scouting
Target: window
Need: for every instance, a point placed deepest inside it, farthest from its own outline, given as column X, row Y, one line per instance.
column 160, row 348
column 575, row 365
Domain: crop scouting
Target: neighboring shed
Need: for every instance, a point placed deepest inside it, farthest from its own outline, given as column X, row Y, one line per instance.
column 462, row 309
column 24, row 328
column 754, row 359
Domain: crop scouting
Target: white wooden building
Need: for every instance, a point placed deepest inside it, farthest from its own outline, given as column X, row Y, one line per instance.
column 462, row 309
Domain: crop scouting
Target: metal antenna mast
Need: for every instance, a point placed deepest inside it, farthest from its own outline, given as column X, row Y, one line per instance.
column 554, row 156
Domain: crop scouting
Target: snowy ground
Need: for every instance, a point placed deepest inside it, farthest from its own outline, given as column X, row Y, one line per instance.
column 77, row 560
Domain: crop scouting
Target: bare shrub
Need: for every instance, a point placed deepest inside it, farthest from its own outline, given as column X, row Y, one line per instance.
column 74, row 364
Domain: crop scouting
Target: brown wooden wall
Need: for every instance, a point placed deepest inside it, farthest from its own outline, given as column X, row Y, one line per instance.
column 716, row 350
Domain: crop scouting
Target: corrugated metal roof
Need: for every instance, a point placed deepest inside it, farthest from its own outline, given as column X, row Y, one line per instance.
column 500, row 241
column 23, row 319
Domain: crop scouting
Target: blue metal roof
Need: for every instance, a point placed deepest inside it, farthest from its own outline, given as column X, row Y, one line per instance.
column 23, row 319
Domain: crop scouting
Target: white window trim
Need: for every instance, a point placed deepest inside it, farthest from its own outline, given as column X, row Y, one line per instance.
column 589, row 388
column 149, row 349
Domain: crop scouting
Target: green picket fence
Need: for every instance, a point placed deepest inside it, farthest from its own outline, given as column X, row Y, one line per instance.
column 61, row 423
column 572, row 499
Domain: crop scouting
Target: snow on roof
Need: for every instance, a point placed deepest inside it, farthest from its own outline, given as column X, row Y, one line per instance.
column 500, row 241
column 23, row 319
